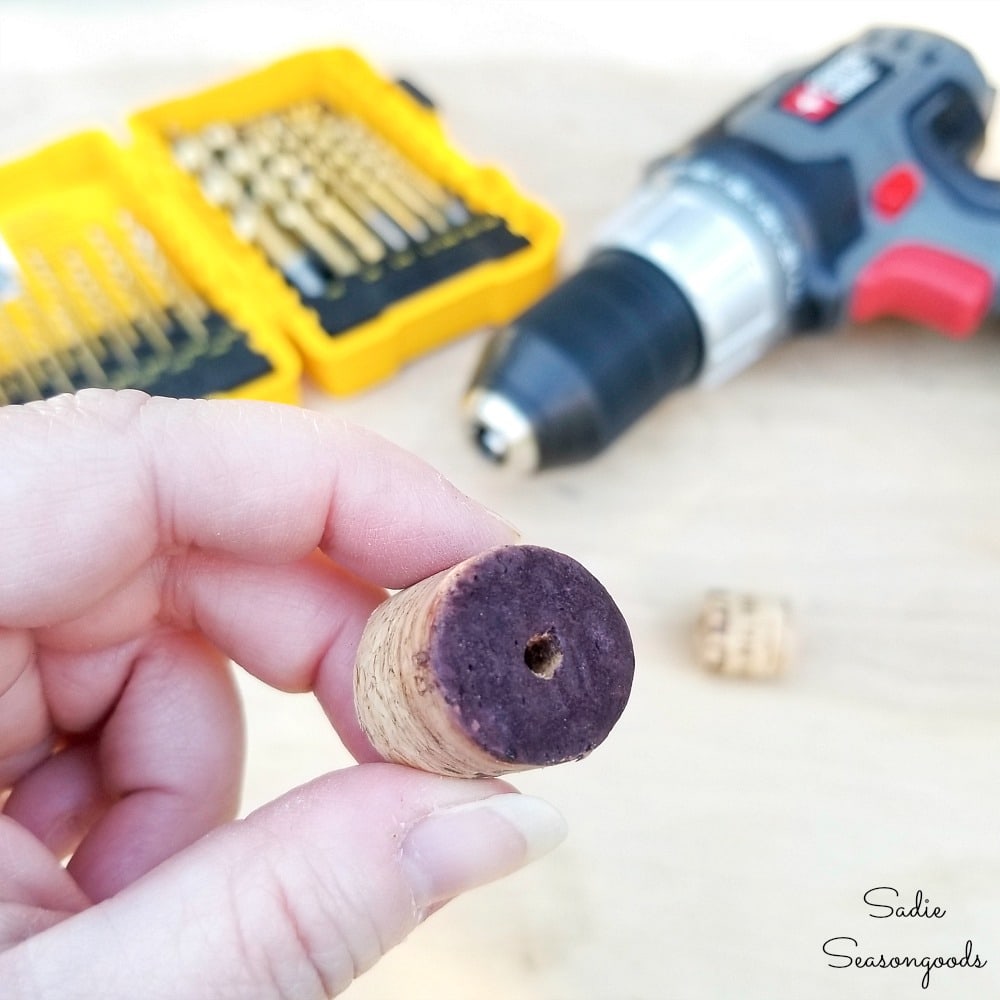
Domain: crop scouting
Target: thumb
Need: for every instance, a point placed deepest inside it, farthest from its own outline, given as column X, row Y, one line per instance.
column 296, row 900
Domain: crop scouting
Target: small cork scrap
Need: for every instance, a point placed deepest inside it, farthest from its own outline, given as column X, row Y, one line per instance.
column 515, row 659
column 742, row 634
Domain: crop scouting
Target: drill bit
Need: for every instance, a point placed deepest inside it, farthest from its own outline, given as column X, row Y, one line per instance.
column 116, row 325
column 242, row 161
column 210, row 354
column 340, row 166
column 335, row 214
column 295, row 216
column 191, row 153
column 218, row 137
column 70, row 323
column 351, row 143
column 143, row 307
column 253, row 224
column 303, row 119
column 163, row 282
column 451, row 205
column 356, row 199
column 366, row 143
column 21, row 370
column 271, row 164
column 271, row 126
column 341, row 198
column 42, row 357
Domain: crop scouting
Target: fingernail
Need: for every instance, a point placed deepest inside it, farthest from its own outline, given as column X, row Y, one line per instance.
column 457, row 849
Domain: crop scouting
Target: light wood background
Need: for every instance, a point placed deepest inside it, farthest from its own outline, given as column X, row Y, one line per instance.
column 725, row 830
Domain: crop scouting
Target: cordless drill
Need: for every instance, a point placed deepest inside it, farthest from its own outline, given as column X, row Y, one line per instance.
column 841, row 192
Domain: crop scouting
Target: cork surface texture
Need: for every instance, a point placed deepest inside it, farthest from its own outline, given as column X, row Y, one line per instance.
column 534, row 655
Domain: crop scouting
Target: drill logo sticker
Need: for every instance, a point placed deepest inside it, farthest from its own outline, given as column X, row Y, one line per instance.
column 832, row 85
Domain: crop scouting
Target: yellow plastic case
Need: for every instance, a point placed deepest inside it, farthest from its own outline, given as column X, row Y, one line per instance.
column 50, row 197
column 491, row 292
column 51, row 201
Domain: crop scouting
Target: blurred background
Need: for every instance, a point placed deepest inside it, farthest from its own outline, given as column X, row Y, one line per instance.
column 42, row 41
column 726, row 830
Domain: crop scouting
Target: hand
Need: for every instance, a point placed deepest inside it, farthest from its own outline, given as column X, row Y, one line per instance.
column 143, row 544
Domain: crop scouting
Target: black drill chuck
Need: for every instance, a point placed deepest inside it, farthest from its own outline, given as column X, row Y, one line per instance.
column 584, row 363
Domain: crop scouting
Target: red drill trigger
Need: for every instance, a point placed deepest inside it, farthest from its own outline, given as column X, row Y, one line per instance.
column 940, row 289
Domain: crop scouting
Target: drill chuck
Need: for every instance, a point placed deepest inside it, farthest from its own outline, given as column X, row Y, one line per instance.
column 681, row 286
column 583, row 363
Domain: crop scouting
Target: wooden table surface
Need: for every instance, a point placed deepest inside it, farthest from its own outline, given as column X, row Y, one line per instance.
column 727, row 829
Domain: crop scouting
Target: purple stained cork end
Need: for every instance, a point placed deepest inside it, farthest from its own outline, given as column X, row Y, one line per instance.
column 532, row 655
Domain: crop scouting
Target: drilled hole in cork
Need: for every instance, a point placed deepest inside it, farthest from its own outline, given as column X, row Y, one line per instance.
column 543, row 655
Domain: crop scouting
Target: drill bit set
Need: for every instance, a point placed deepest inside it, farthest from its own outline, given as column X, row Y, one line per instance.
column 336, row 189
column 310, row 214
column 350, row 224
column 110, row 310
column 90, row 297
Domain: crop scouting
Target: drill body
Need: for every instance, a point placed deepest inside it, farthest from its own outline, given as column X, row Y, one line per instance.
column 839, row 192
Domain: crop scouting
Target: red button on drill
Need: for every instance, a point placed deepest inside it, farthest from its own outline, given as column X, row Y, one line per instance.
column 895, row 189
column 952, row 294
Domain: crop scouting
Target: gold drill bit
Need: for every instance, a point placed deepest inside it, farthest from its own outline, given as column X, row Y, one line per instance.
column 185, row 303
column 261, row 147
column 22, row 370
column 390, row 158
column 68, row 320
column 218, row 137
column 268, row 126
column 343, row 190
column 282, row 132
column 297, row 217
column 43, row 355
column 346, row 187
column 411, row 198
column 286, row 166
column 453, row 207
column 378, row 221
column 357, row 145
column 253, row 224
column 357, row 223
column 338, row 202
column 118, row 328
column 242, row 161
column 244, row 167
column 335, row 214
column 145, row 310
column 221, row 188
column 191, row 152
column 366, row 222
column 314, row 126
column 341, row 165
column 380, row 152
column 303, row 119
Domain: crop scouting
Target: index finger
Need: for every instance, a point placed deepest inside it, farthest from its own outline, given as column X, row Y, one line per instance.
column 96, row 484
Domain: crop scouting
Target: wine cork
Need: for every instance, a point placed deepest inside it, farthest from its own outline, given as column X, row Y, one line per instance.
column 514, row 659
column 743, row 634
